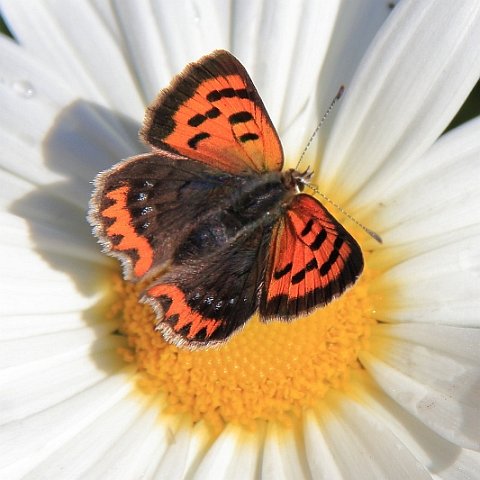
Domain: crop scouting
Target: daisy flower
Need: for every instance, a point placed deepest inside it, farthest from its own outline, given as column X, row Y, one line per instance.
column 383, row 383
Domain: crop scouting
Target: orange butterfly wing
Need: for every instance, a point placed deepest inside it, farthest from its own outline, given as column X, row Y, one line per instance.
column 212, row 113
column 313, row 259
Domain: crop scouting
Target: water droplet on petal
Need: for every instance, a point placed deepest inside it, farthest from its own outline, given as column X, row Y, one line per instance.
column 23, row 88
column 196, row 12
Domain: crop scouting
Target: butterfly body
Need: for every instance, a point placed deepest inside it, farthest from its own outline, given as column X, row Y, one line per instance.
column 209, row 217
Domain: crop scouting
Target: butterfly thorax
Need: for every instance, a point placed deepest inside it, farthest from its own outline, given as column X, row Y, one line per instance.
column 248, row 204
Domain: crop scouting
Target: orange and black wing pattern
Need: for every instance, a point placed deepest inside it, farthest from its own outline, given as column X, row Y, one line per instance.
column 212, row 113
column 312, row 260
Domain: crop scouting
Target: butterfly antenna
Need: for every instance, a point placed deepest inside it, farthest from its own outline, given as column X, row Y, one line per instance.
column 373, row 234
column 322, row 120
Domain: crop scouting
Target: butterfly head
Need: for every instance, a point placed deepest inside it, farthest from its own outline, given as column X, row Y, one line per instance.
column 295, row 180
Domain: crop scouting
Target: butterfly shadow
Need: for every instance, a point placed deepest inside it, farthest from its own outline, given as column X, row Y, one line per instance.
column 56, row 212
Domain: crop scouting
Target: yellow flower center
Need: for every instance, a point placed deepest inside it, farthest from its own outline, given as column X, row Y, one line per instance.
column 268, row 371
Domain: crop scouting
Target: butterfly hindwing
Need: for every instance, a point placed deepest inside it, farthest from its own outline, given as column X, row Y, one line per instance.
column 202, row 300
column 212, row 112
column 142, row 208
column 312, row 260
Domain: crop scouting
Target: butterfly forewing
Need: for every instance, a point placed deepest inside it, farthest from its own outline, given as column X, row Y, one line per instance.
column 212, row 112
column 313, row 259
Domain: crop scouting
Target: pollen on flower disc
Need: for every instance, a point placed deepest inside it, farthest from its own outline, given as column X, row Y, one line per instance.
column 269, row 371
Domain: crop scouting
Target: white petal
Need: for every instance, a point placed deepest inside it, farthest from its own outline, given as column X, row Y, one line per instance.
column 304, row 78
column 16, row 325
column 274, row 58
column 46, row 378
column 419, row 70
column 439, row 286
column 319, row 456
column 436, row 196
column 31, row 168
column 29, row 284
column 44, row 433
column 443, row 459
column 364, row 447
column 288, row 84
column 354, row 29
column 185, row 451
column 28, row 281
column 119, row 444
column 283, row 455
column 435, row 380
column 85, row 140
column 63, row 142
column 222, row 457
column 39, row 278
column 466, row 465
column 159, row 46
column 50, row 238
column 128, row 443
column 102, row 77
column 205, row 26
column 139, row 29
column 22, row 353
column 454, row 146
column 451, row 341
column 31, row 93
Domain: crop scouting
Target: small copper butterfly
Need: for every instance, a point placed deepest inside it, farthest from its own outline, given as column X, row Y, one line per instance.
column 211, row 220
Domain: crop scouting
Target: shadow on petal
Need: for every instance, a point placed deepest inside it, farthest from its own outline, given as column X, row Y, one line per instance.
column 84, row 140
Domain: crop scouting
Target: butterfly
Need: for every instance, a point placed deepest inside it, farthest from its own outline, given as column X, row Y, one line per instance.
column 209, row 218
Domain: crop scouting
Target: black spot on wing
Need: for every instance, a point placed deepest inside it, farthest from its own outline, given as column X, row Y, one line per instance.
column 193, row 142
column 327, row 265
column 216, row 95
column 308, row 228
column 319, row 239
column 198, row 119
column 311, row 265
column 298, row 277
column 248, row 137
column 240, row 117
column 281, row 273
